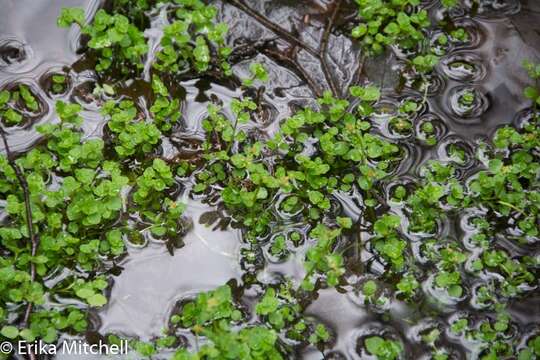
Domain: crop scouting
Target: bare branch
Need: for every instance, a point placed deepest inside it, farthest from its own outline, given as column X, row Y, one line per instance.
column 278, row 30
column 324, row 49
column 300, row 71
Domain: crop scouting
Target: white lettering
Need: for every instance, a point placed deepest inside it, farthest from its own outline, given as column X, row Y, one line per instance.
column 72, row 347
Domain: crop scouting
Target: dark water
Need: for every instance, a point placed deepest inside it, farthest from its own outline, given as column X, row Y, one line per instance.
column 152, row 281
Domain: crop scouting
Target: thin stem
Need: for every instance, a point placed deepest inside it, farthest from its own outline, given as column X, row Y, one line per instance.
column 293, row 40
column 511, row 206
column 29, row 223
column 384, row 72
column 278, row 30
column 359, row 70
column 426, row 90
column 229, row 146
column 300, row 71
column 324, row 47
column 359, row 239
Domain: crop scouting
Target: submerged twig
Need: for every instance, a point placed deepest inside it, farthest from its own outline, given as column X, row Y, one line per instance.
column 29, row 222
column 273, row 27
column 301, row 72
column 359, row 70
column 320, row 54
column 324, row 47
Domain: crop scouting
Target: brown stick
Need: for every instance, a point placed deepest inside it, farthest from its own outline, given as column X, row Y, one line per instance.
column 29, row 221
column 301, row 72
column 360, row 69
column 324, row 47
column 273, row 27
column 286, row 35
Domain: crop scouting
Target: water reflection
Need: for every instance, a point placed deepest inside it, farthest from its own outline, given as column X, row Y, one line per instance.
column 447, row 127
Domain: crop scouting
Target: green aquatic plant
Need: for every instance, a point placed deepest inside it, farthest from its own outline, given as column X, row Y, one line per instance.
column 258, row 72
column 321, row 259
column 533, row 92
column 451, row 282
column 369, row 288
column 59, row 83
column 449, row 3
column 17, row 104
column 257, row 343
column 489, row 333
column 467, row 98
column 75, row 217
column 427, row 133
column 134, row 10
column 29, row 100
column 407, row 286
column 532, row 350
column 425, row 63
column 193, row 41
column 383, row 349
column 209, row 307
column 119, row 44
column 165, row 109
column 385, row 23
column 281, row 310
column 213, row 315
column 73, row 200
column 344, row 140
column 64, row 216
column 387, row 241
column 132, row 134
column 8, row 115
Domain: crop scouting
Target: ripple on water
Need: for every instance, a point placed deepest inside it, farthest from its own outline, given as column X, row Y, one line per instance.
column 337, row 311
column 13, row 52
column 430, row 129
column 464, row 66
column 493, row 9
column 457, row 151
column 468, row 104
column 30, row 117
column 55, row 89
column 356, row 348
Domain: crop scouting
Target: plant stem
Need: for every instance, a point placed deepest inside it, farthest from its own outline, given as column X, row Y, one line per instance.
column 511, row 206
column 273, row 27
column 424, row 98
column 29, row 223
column 324, row 47
column 301, row 72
